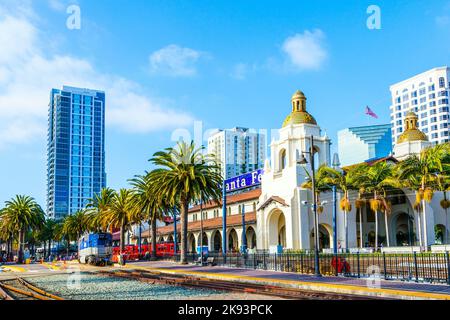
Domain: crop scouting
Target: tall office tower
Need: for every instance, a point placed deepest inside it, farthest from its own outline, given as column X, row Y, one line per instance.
column 76, row 149
column 240, row 149
column 358, row 144
column 426, row 95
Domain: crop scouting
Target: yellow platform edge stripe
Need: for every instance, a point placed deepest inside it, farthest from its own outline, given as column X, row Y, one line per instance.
column 14, row 268
column 392, row 292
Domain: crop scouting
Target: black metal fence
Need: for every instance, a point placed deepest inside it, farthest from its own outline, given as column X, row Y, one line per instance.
column 418, row 267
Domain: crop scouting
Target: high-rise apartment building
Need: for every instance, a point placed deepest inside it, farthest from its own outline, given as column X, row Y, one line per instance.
column 358, row 144
column 76, row 149
column 427, row 95
column 238, row 150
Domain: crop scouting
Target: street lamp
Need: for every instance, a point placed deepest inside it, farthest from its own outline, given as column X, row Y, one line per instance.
column 302, row 161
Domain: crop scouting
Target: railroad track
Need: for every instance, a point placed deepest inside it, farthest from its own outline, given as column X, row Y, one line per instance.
column 229, row 286
column 20, row 289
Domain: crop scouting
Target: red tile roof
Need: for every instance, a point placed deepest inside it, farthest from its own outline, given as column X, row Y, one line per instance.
column 215, row 223
column 276, row 199
column 249, row 195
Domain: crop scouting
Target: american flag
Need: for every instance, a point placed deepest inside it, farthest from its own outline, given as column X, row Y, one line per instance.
column 371, row 113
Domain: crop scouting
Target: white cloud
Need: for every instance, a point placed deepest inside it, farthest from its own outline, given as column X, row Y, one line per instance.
column 27, row 74
column 175, row 61
column 57, row 5
column 305, row 51
column 443, row 21
column 241, row 70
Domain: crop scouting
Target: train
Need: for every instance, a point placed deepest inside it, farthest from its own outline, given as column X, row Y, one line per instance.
column 131, row 252
column 95, row 249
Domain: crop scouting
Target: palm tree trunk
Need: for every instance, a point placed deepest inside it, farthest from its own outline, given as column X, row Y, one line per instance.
column 387, row 229
column 49, row 247
column 376, row 231
column 360, row 229
column 153, row 224
column 446, row 220
column 21, row 244
column 122, row 238
column 9, row 248
column 68, row 246
column 183, row 218
column 425, row 233
column 419, row 228
column 346, row 230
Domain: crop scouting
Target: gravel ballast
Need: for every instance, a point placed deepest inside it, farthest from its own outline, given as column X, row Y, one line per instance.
column 86, row 286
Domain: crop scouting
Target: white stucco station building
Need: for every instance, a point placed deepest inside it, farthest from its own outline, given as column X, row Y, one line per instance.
column 279, row 213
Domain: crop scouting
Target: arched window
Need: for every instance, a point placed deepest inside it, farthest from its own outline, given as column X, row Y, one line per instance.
column 283, row 159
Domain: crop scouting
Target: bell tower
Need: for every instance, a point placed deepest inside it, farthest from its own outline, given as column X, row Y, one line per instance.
column 281, row 192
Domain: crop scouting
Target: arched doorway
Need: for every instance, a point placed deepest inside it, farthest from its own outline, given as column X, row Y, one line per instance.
column 439, row 232
column 371, row 239
column 161, row 240
column 276, row 226
column 170, row 238
column 233, row 244
column 205, row 239
column 404, row 230
column 251, row 238
column 191, row 243
column 217, row 241
column 324, row 237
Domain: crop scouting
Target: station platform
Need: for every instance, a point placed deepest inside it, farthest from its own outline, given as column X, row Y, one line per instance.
column 386, row 289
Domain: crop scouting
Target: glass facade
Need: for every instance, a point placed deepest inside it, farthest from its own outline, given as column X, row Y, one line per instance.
column 76, row 149
column 359, row 144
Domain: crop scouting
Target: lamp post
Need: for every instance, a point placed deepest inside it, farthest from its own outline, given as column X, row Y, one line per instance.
column 201, row 229
column 336, row 164
column 303, row 160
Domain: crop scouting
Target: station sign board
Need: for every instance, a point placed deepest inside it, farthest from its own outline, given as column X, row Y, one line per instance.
column 246, row 180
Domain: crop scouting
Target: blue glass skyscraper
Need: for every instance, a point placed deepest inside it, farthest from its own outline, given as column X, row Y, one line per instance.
column 358, row 144
column 76, row 149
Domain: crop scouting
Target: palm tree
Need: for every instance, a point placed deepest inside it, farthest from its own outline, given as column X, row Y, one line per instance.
column 47, row 234
column 21, row 214
column 73, row 227
column 424, row 169
column 443, row 185
column 98, row 207
column 119, row 214
column 146, row 203
column 183, row 174
column 374, row 179
column 323, row 184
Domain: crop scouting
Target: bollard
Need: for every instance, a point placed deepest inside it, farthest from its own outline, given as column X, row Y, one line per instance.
column 415, row 267
column 359, row 271
column 448, row 267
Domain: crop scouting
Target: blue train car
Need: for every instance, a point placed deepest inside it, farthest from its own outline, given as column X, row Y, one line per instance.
column 95, row 248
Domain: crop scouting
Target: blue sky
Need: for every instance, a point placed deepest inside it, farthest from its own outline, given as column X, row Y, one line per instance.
column 165, row 64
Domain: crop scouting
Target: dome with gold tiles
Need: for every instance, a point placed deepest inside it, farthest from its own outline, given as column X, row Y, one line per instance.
column 411, row 133
column 299, row 115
